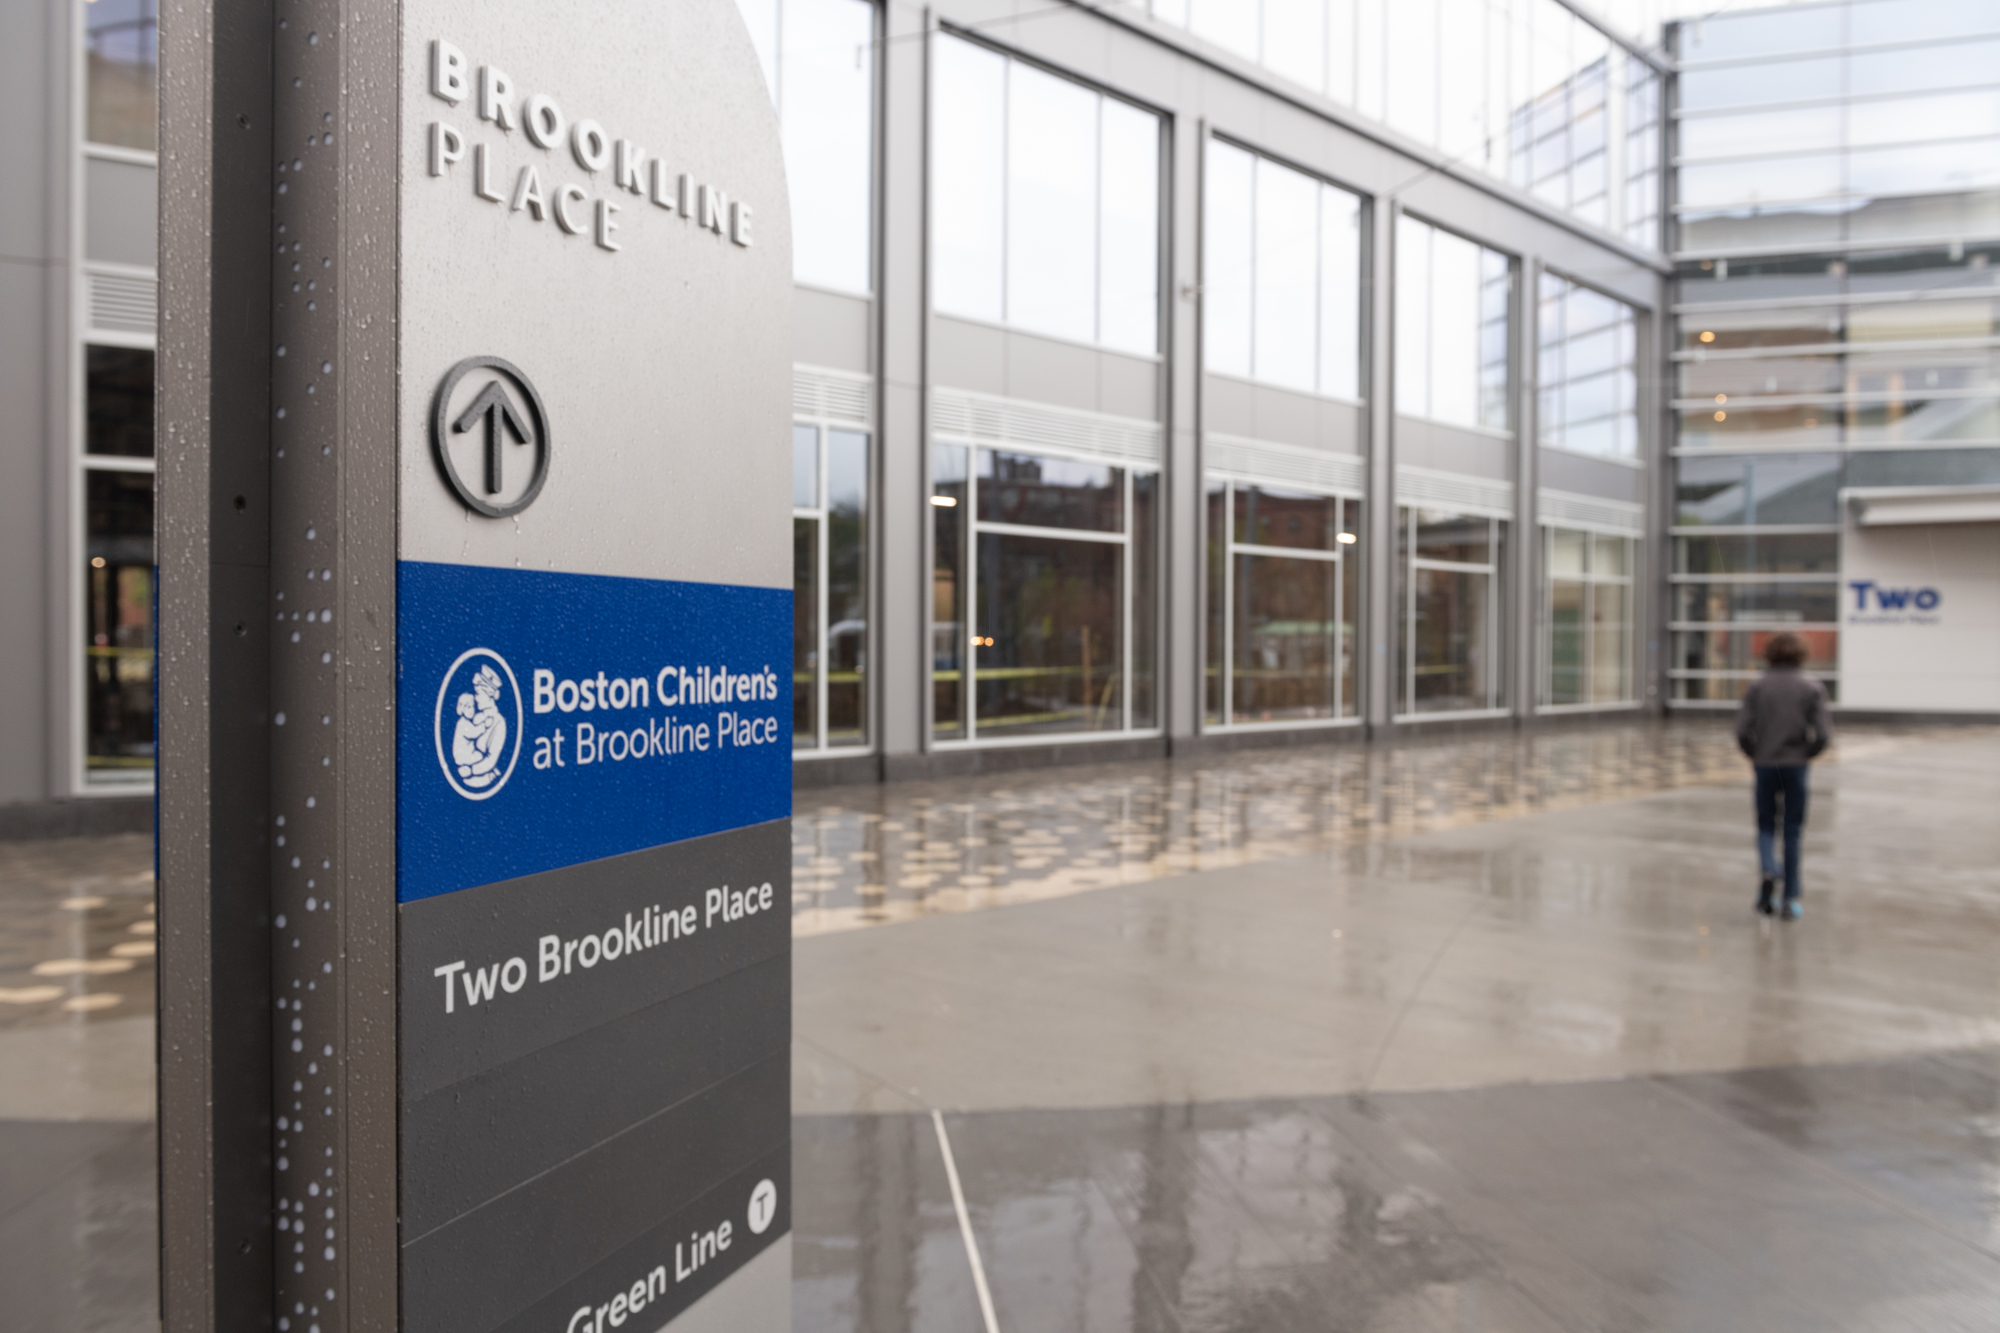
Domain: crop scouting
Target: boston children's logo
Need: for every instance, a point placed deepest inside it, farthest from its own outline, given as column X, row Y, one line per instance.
column 478, row 726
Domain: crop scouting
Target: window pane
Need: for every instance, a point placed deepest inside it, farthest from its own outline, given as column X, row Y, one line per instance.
column 1455, row 350
column 1051, row 608
column 1743, row 649
column 1746, row 491
column 1227, row 266
column 1411, row 50
column 1218, row 572
column 950, row 632
column 1566, row 636
column 1450, row 637
column 1413, row 317
column 1339, row 293
column 805, row 466
column 1780, row 603
column 1567, row 551
column 1958, row 65
column 1230, row 24
column 826, row 110
column 1610, row 643
column 1052, row 140
column 846, row 588
column 119, row 402
column 1589, row 378
column 1610, row 557
column 1350, row 613
column 761, row 18
column 1046, row 492
column 1760, row 553
column 1129, row 254
column 122, row 51
column 1459, row 538
column 1145, row 600
column 1494, row 322
column 968, row 173
column 805, row 632
column 1268, row 516
column 1287, row 618
column 118, row 590
column 1295, row 40
column 1287, row 263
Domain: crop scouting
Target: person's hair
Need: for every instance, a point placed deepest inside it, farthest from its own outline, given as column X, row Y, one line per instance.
column 1785, row 650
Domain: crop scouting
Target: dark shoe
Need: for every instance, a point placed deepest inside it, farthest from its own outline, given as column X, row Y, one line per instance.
column 1792, row 909
column 1767, row 889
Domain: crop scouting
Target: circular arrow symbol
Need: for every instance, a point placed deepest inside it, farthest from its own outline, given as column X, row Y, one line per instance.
column 501, row 421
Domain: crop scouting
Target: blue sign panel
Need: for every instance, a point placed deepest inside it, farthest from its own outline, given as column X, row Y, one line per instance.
column 546, row 719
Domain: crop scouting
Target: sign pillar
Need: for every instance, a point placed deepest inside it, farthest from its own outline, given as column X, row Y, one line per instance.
column 528, row 721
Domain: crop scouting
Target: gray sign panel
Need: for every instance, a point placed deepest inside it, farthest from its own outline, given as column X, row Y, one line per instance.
column 593, row 754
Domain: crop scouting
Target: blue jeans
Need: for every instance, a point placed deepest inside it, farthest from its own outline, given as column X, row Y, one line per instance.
column 1786, row 786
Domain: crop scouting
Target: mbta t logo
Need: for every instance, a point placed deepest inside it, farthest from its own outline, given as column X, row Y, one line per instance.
column 1894, row 599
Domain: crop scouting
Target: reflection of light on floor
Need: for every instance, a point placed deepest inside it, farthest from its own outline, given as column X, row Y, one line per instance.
column 77, row 930
column 874, row 855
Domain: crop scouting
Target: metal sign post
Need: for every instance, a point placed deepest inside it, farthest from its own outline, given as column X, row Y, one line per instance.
column 494, row 556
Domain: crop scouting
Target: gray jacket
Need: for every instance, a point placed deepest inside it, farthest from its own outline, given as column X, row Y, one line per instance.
column 1783, row 719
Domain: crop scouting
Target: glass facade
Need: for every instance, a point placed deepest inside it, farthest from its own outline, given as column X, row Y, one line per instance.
column 819, row 63
column 1525, row 91
column 1451, row 328
column 1045, row 201
column 1588, row 376
column 118, row 565
column 1281, row 277
column 1832, row 126
column 1284, row 599
column 1587, row 617
column 1837, row 305
column 1043, row 594
column 121, row 73
column 829, row 587
column 1450, row 651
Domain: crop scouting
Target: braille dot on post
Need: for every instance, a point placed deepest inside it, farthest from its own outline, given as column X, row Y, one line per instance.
column 280, row 719
column 312, row 534
column 283, row 188
column 281, row 349
column 281, row 414
column 297, row 164
column 326, row 367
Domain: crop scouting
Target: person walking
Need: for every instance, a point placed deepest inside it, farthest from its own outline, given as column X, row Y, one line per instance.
column 1782, row 725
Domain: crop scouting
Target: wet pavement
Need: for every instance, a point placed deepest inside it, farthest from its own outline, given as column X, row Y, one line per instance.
column 1463, row 1034
column 883, row 853
column 1834, row 1197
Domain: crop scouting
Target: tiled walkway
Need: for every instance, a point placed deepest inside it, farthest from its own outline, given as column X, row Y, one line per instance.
column 873, row 855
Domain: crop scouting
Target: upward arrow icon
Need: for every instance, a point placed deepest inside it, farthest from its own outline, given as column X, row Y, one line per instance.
column 492, row 407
